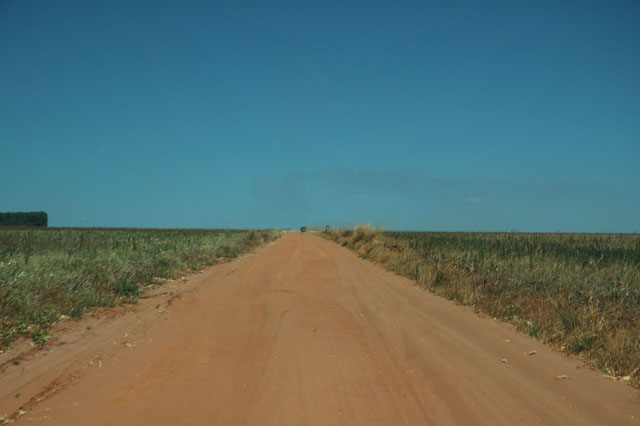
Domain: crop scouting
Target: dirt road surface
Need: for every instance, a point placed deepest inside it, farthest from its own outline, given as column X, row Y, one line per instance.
column 303, row 332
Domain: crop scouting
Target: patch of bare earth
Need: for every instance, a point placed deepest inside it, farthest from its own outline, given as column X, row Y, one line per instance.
column 302, row 332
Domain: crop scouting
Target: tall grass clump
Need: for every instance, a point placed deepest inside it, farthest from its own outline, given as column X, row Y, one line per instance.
column 46, row 273
column 578, row 292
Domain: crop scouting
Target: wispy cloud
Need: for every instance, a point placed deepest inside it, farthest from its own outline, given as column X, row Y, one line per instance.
column 412, row 200
column 101, row 150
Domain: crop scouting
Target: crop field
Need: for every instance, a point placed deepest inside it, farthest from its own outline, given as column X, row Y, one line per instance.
column 578, row 292
column 46, row 273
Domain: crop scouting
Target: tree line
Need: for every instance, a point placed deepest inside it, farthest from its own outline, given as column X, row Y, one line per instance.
column 39, row 219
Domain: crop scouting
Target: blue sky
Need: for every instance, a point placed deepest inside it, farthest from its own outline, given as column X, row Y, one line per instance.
column 461, row 115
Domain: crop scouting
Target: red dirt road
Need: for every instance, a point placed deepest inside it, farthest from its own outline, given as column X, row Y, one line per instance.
column 302, row 332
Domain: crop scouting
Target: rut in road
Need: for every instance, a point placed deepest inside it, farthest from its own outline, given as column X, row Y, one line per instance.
column 303, row 332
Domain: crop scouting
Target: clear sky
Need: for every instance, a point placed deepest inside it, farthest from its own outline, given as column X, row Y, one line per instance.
column 444, row 115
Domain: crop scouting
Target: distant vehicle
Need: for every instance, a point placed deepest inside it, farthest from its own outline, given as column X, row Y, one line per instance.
column 303, row 229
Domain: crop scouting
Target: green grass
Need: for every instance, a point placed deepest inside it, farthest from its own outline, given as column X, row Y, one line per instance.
column 578, row 292
column 46, row 273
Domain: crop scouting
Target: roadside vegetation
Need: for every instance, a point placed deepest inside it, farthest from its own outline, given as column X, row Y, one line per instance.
column 578, row 292
column 49, row 273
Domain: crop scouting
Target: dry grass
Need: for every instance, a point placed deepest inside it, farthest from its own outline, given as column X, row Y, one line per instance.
column 46, row 273
column 580, row 293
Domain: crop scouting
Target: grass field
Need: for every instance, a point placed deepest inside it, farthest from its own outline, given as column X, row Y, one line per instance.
column 578, row 292
column 46, row 273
